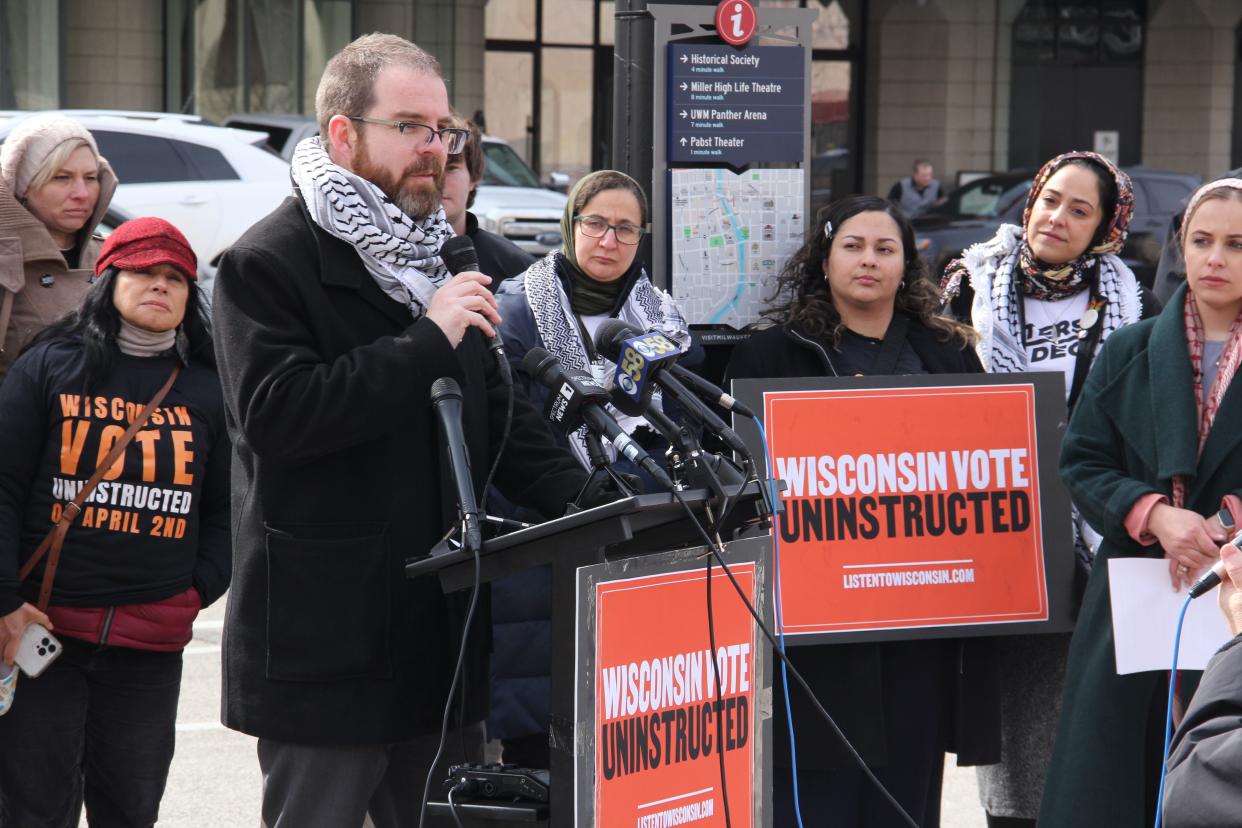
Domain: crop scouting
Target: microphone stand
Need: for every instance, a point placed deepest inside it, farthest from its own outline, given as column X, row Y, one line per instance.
column 601, row 469
column 452, row 542
column 688, row 462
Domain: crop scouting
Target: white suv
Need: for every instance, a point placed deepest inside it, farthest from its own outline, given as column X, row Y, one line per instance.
column 510, row 201
column 213, row 183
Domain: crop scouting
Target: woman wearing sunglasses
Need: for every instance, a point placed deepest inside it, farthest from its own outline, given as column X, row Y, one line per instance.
column 557, row 304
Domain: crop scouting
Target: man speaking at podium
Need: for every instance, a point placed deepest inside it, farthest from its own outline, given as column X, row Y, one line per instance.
column 334, row 317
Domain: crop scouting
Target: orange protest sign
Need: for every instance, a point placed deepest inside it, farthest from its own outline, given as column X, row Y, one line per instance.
column 908, row 507
column 660, row 723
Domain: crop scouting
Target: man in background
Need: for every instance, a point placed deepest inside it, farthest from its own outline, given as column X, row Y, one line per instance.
column 916, row 193
column 499, row 258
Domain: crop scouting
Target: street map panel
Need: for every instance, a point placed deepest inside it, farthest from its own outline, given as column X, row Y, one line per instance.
column 732, row 234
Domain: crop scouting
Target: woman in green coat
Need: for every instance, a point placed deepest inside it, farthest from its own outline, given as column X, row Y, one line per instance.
column 1153, row 459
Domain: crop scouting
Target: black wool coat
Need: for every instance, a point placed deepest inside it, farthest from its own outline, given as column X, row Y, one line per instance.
column 339, row 477
column 856, row 683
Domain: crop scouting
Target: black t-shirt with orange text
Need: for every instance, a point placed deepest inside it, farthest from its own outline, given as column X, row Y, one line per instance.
column 157, row 523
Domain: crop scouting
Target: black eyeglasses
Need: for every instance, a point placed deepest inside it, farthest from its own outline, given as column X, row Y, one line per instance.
column 454, row 140
column 597, row 228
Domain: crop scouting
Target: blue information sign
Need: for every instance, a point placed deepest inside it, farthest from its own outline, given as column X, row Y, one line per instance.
column 736, row 106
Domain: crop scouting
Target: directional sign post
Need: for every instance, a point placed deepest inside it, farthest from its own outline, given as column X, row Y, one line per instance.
column 736, row 106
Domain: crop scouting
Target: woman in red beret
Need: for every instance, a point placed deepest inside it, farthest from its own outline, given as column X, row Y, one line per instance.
column 146, row 549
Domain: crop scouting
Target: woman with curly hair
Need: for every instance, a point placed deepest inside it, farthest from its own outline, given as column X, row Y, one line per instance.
column 855, row 300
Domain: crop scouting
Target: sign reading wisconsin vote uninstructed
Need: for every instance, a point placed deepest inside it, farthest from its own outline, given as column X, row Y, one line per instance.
column 917, row 503
column 667, row 703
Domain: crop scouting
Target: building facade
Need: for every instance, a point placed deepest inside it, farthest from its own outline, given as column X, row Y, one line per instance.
column 971, row 85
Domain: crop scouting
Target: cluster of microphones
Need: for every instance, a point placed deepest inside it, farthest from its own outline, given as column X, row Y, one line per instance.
column 645, row 361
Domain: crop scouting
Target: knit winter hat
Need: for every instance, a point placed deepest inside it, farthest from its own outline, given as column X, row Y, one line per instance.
column 143, row 243
column 31, row 142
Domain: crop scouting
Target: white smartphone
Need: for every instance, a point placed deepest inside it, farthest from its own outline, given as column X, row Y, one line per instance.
column 38, row 649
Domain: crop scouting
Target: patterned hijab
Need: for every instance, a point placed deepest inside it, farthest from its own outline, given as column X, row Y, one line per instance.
column 1047, row 281
column 567, row 218
column 1231, row 354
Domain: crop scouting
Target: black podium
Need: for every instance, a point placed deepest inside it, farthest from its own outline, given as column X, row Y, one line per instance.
column 643, row 526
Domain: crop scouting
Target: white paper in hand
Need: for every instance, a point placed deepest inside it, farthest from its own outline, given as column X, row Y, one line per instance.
column 1145, row 610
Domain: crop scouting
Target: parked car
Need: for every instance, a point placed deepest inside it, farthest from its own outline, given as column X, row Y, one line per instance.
column 281, row 131
column 210, row 181
column 511, row 202
column 973, row 212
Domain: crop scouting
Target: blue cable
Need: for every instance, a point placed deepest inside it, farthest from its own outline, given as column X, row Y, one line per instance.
column 770, row 496
column 1168, row 715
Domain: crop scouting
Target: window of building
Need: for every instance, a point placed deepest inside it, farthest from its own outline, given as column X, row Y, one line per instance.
column 1077, row 67
column 565, row 111
column 1080, row 31
column 507, row 93
column 29, row 55
column 223, row 57
column 836, row 111
column 548, row 81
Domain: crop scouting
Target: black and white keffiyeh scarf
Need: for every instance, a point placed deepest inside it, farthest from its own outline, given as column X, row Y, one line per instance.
column 402, row 254
column 646, row 307
column 990, row 266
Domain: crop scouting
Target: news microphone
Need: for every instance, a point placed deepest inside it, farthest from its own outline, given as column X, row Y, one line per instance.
column 1216, row 574
column 708, row 390
column 578, row 398
column 711, row 391
column 446, row 398
column 1210, row 579
column 641, row 359
column 459, row 256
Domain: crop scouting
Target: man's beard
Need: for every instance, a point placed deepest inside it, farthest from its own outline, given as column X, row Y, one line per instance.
column 414, row 198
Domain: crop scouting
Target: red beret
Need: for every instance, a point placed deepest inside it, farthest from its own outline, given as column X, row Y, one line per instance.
column 143, row 243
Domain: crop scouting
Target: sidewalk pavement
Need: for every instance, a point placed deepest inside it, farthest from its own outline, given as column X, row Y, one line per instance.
column 214, row 781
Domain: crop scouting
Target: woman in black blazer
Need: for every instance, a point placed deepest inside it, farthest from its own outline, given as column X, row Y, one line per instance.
column 856, row 285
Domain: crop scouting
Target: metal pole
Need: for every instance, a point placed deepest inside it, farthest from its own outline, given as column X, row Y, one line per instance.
column 632, row 98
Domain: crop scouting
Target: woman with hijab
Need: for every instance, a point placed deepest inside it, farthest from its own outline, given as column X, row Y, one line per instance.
column 557, row 304
column 855, row 300
column 149, row 548
column 54, row 190
column 1043, row 297
column 560, row 301
column 1153, row 459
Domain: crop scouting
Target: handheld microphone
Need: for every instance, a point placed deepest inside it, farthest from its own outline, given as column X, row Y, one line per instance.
column 458, row 255
column 446, row 398
column 577, row 397
column 1217, row 573
column 616, row 340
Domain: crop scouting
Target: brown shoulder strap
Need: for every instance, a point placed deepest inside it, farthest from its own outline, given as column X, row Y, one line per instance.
column 6, row 313
column 55, row 539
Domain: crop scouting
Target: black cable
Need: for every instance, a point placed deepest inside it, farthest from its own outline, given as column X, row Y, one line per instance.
column 448, row 704
column 465, row 633
column 806, row 688
column 720, row 743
